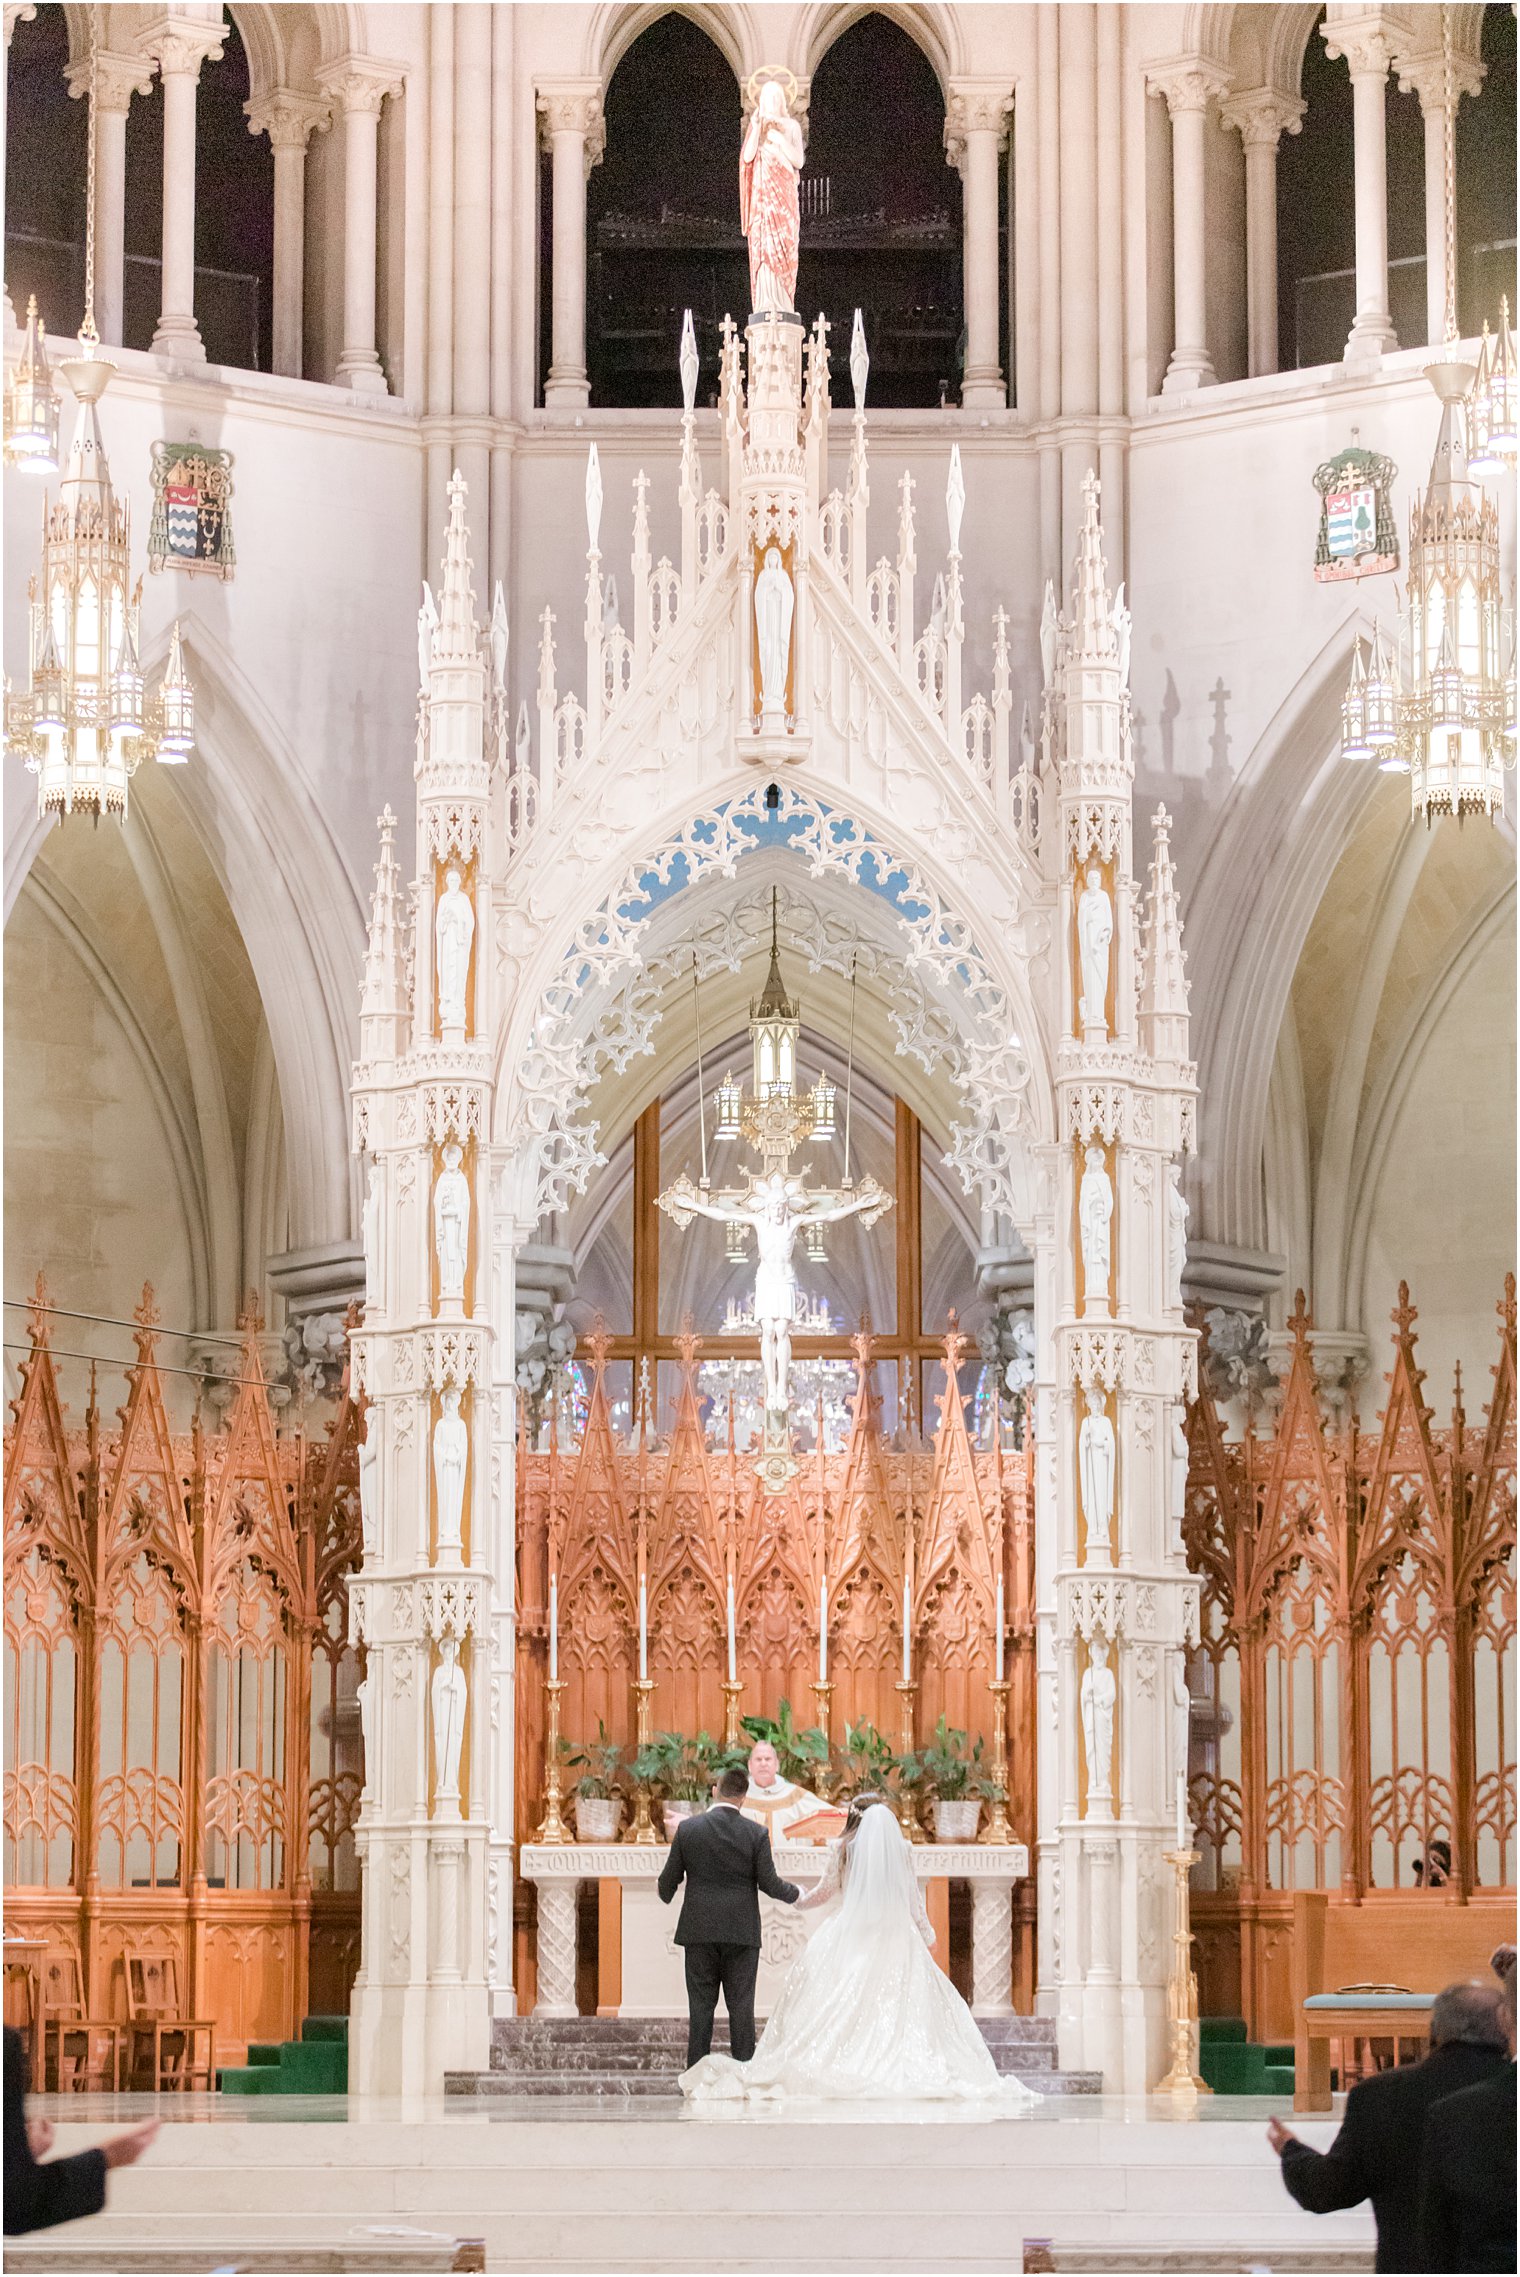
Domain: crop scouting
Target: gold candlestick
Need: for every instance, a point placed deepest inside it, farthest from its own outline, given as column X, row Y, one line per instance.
column 1182, row 2083
column 999, row 1833
column 643, row 1825
column 554, row 1829
column 733, row 1693
column 906, row 1693
column 823, row 1694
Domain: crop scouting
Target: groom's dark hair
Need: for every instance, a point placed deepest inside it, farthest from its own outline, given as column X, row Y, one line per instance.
column 733, row 1785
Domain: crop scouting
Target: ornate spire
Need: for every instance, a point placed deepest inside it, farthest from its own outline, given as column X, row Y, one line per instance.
column 1163, row 984
column 384, row 995
column 457, row 641
column 1092, row 616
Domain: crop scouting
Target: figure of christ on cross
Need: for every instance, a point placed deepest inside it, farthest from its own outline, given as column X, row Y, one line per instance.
column 777, row 1205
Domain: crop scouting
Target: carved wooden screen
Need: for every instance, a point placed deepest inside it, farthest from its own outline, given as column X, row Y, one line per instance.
column 167, row 1601
column 1355, row 1680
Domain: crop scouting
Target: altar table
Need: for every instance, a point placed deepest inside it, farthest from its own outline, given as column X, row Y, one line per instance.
column 641, row 1971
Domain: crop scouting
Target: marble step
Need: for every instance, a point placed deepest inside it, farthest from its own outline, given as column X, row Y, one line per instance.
column 532, row 2059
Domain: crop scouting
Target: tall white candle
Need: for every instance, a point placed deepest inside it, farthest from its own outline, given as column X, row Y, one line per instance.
column 553, row 1628
column 823, row 1632
column 643, row 1629
column 907, row 1674
column 733, row 1658
column 997, row 1632
column 1182, row 1824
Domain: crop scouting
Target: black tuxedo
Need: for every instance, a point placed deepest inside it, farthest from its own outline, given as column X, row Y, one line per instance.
column 38, row 2196
column 1376, row 2155
column 1467, row 2195
column 725, row 1861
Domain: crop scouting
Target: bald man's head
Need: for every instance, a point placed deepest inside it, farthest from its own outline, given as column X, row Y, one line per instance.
column 1470, row 2016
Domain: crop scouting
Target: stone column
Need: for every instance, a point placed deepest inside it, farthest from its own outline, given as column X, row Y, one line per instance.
column 358, row 85
column 976, row 135
column 1367, row 45
column 556, row 1949
column 1426, row 74
column 1260, row 117
column 571, row 112
column 288, row 119
column 180, row 45
column 1188, row 88
column 992, row 1948
column 117, row 79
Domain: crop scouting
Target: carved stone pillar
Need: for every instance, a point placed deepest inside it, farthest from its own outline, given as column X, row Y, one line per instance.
column 976, row 135
column 358, row 85
column 180, row 45
column 1426, row 74
column 1188, row 87
column 289, row 120
column 556, row 1949
column 1367, row 44
column 1261, row 116
column 117, row 79
column 571, row 112
column 992, row 1948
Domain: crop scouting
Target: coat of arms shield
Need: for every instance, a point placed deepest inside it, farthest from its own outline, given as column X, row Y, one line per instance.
column 1356, row 533
column 191, row 526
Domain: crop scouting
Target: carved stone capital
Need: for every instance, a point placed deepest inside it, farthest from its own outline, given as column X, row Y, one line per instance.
column 1261, row 116
column 1187, row 83
column 359, row 84
column 117, row 78
column 18, row 12
column 1368, row 43
column 976, row 106
column 1425, row 74
column 289, row 119
column 179, row 45
column 574, row 106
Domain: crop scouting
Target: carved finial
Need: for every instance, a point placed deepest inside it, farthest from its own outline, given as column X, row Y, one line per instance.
column 907, row 557
column 384, row 991
column 546, row 659
column 1506, row 1306
column 1404, row 1315
column 499, row 638
column 1163, row 999
column 38, row 1320
column 955, row 1349
column 955, row 498
column 688, row 1345
column 598, row 1344
column 251, row 1320
column 1092, row 618
column 860, row 360
column 455, row 639
column 593, row 500
column 689, row 363
column 1300, row 1320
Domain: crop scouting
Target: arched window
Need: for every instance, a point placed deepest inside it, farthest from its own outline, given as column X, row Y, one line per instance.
column 881, row 214
column 44, row 175
column 662, row 219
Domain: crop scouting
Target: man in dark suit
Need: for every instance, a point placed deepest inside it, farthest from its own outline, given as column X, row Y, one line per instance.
column 37, row 2196
column 1376, row 2155
column 1467, row 2181
column 725, row 1861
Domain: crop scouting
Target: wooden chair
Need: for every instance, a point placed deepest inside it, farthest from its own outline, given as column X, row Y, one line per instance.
column 164, row 2045
column 79, row 2051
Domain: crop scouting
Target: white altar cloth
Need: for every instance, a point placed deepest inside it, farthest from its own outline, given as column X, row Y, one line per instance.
column 653, row 1973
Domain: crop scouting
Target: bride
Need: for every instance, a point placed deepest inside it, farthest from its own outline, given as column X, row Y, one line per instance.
column 865, row 2012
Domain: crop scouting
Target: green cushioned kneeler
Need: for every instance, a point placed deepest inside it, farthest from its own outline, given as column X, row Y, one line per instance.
column 1213, row 2029
column 315, row 2064
column 330, row 2028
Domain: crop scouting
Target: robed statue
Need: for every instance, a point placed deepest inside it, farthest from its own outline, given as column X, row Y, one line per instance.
column 769, row 164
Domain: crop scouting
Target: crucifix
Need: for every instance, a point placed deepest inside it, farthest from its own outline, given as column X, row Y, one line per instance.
column 776, row 1202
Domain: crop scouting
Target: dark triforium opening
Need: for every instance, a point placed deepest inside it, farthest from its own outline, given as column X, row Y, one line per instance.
column 772, row 797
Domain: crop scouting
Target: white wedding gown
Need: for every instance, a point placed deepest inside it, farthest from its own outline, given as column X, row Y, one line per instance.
column 866, row 2014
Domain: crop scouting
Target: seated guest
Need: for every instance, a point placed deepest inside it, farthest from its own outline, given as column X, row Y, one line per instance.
column 1433, row 1871
column 1376, row 2155
column 37, row 2196
column 1467, row 2180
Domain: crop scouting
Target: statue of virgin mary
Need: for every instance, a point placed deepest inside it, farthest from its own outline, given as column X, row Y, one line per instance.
column 769, row 164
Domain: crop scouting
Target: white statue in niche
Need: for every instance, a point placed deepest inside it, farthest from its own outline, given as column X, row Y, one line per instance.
column 1176, row 1236
column 774, row 606
column 369, row 1466
column 1099, row 1692
column 451, row 1223
column 1095, row 933
column 453, row 932
column 1095, row 1207
column 449, row 1691
column 366, row 1710
column 1095, row 1466
column 451, row 1440
column 370, row 1227
column 427, row 626
column 1179, row 1472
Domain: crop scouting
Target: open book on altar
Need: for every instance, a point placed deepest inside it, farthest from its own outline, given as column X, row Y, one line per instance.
column 820, row 1825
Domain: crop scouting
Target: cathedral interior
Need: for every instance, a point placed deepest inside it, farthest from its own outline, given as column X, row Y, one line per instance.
column 759, row 983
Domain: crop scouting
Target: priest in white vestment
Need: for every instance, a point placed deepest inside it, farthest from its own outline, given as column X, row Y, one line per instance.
column 775, row 1802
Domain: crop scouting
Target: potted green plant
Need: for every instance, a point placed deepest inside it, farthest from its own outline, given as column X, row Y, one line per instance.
column 865, row 1764
column 802, row 1754
column 952, row 1774
column 598, row 1800
column 683, row 1771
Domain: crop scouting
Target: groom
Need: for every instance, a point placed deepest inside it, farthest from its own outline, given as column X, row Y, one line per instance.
column 725, row 1861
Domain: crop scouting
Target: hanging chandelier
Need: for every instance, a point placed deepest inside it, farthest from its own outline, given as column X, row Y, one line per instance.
column 1439, row 704
column 31, row 402
column 85, row 723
